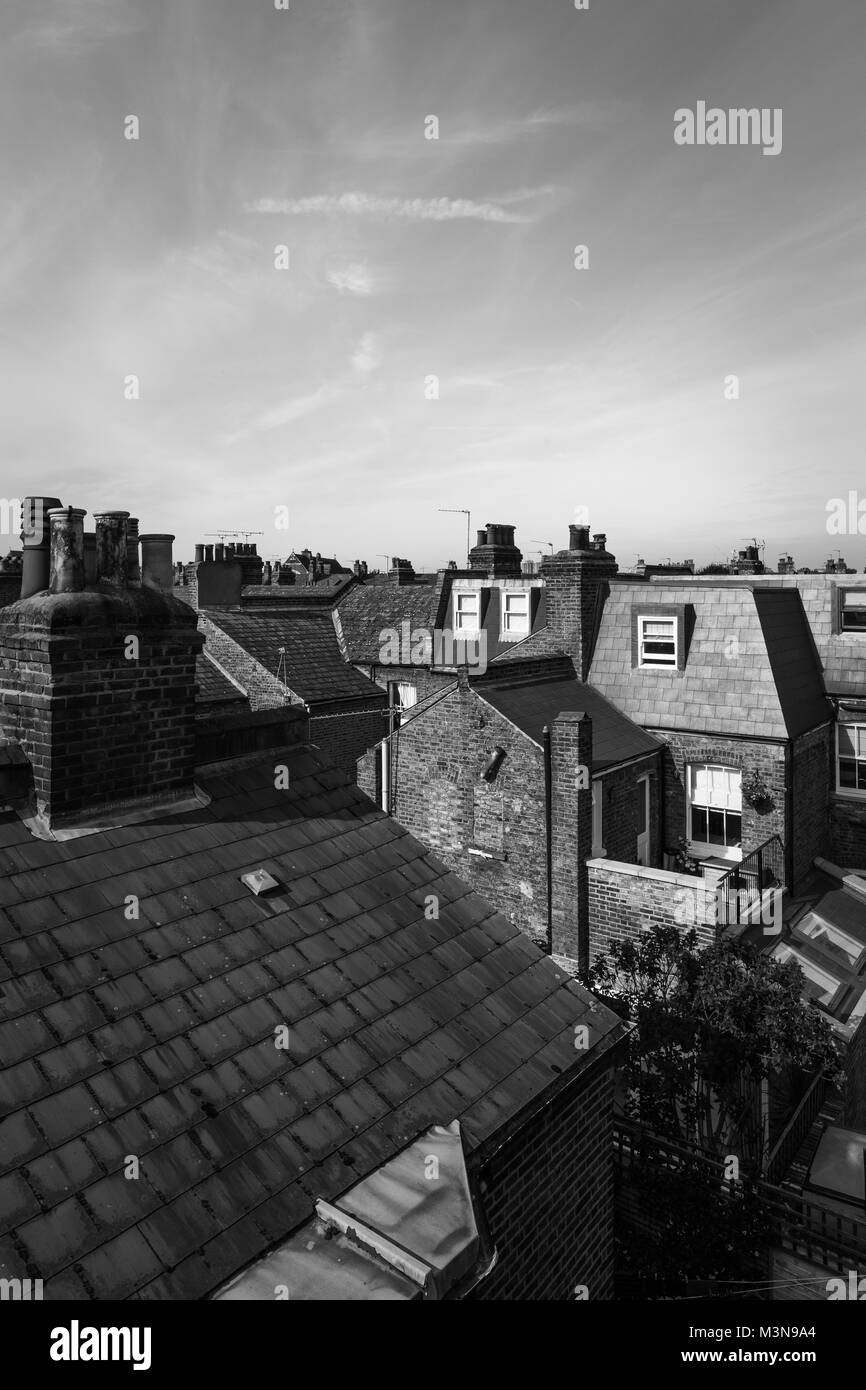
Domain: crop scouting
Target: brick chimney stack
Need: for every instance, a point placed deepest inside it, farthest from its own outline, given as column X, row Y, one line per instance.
column 98, row 682
column 495, row 553
column 570, row 833
column 575, row 588
column 401, row 571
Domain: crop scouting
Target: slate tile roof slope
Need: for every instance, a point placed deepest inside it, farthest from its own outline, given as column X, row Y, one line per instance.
column 156, row 1037
column 213, row 687
column 366, row 610
column 842, row 655
column 724, row 688
column 314, row 666
column 615, row 737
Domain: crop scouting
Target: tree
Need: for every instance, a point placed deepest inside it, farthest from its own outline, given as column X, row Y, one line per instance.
column 712, row 1026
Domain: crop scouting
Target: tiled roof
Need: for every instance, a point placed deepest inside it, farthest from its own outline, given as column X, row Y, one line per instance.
column 615, row 737
column 314, row 667
column 748, row 666
column 369, row 609
column 213, row 687
column 155, row 1038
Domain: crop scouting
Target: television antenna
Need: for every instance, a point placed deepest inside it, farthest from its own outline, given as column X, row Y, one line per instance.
column 463, row 511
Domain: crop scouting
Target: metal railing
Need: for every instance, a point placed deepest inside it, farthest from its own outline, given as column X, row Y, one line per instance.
column 744, row 884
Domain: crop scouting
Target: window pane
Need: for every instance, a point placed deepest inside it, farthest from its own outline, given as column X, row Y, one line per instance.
column 847, row 772
column 699, row 823
column 847, row 734
column 853, row 619
column 716, row 827
column 734, row 829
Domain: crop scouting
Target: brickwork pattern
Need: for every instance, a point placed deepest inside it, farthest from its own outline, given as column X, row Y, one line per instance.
column 548, row 1200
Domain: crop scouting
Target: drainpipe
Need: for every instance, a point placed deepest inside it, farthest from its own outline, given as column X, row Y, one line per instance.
column 789, row 815
column 548, row 835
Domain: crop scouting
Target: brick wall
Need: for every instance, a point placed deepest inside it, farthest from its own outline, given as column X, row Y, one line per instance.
column 620, row 810
column 345, row 733
column 811, row 767
column 438, row 793
column 10, row 588
column 766, row 758
column 548, row 1199
column 854, row 1094
column 97, row 726
column 625, row 898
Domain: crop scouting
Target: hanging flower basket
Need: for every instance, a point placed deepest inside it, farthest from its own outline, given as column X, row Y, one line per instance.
column 756, row 792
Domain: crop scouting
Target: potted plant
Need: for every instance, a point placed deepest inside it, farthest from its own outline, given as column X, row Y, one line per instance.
column 684, row 860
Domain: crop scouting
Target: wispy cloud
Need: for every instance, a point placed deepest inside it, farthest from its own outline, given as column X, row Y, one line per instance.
column 368, row 354
column 371, row 205
column 283, row 414
column 352, row 279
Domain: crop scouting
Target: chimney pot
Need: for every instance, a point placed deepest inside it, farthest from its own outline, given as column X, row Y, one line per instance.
column 36, row 539
column 578, row 537
column 208, row 554
column 219, row 551
column 157, row 569
column 67, row 549
column 199, row 555
column 132, row 550
column 112, row 560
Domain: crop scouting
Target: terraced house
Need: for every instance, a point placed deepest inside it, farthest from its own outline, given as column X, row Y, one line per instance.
column 256, row 1040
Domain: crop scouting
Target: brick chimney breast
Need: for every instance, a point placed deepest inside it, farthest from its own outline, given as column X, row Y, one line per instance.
column 575, row 589
column 496, row 554
column 99, row 689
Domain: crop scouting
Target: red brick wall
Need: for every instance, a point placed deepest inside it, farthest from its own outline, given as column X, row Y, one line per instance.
column 548, row 1199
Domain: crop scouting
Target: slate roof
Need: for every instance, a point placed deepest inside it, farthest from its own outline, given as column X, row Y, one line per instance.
column 213, row 686
column 766, row 684
column 842, row 655
column 367, row 610
column 156, row 1037
column 314, row 666
column 615, row 737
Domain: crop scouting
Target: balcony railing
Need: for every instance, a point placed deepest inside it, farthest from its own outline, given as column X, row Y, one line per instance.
column 745, row 883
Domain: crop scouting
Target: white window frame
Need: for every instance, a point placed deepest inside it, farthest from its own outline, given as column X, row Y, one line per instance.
column 598, row 849
column 514, row 632
column 461, row 630
column 657, row 664
column 852, row 631
column 859, row 731
column 706, row 849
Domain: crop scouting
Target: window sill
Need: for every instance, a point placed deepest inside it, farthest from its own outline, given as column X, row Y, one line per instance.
column 499, row 855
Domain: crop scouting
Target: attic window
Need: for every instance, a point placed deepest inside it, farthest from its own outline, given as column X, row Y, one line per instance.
column 853, row 610
column 466, row 612
column 657, row 641
column 259, row 881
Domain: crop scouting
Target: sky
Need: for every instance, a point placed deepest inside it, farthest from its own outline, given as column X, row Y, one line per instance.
column 420, row 265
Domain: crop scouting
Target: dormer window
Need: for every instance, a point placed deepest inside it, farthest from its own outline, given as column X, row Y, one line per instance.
column 657, row 641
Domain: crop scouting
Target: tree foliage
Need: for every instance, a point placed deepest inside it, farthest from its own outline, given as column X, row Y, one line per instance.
column 712, row 1024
